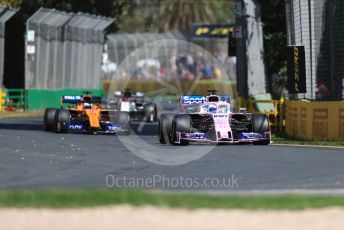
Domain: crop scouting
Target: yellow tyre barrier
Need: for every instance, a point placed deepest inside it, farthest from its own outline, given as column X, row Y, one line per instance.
column 275, row 109
column 2, row 100
column 320, row 120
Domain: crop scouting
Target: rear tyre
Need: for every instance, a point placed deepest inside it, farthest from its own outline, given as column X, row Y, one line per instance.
column 62, row 120
column 49, row 119
column 165, row 127
column 181, row 123
column 260, row 124
column 150, row 112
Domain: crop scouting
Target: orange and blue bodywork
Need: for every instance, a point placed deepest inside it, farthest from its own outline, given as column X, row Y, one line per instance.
column 87, row 115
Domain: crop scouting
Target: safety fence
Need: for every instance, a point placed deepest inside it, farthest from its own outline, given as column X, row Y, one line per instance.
column 152, row 87
column 15, row 99
column 120, row 46
column 5, row 15
column 318, row 26
column 64, row 50
column 38, row 99
column 315, row 120
column 12, row 99
column 166, row 56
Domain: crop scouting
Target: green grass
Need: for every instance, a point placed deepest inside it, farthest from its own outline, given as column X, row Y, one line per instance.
column 91, row 198
column 285, row 139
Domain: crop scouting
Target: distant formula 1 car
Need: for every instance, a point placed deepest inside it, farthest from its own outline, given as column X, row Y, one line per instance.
column 135, row 104
column 84, row 114
column 209, row 119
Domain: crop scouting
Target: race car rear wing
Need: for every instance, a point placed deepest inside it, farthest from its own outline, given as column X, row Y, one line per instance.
column 191, row 100
column 195, row 100
column 71, row 99
column 78, row 99
column 134, row 94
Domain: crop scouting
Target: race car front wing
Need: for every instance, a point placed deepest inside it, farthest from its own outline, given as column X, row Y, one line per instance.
column 108, row 128
column 243, row 137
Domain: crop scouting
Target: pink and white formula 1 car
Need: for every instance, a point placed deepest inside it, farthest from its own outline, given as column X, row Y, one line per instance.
column 209, row 119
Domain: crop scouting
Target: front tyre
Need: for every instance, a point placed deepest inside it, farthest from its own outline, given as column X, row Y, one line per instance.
column 181, row 123
column 165, row 127
column 62, row 120
column 49, row 119
column 260, row 124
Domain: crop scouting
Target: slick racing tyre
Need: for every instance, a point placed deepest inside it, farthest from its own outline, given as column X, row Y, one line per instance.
column 260, row 124
column 181, row 123
column 49, row 119
column 165, row 127
column 62, row 119
column 150, row 112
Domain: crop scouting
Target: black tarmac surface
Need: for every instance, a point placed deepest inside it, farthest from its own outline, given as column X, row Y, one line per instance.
column 32, row 158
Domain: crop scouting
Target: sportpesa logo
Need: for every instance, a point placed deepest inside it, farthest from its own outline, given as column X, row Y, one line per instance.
column 190, row 100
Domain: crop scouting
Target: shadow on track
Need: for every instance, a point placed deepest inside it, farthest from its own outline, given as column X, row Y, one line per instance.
column 22, row 125
column 145, row 129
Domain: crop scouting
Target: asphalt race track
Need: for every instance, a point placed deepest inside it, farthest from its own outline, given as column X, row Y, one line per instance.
column 32, row 158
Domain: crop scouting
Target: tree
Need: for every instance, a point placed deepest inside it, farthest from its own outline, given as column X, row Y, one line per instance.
column 136, row 16
column 180, row 15
column 275, row 39
column 109, row 8
column 11, row 3
column 15, row 32
column 169, row 15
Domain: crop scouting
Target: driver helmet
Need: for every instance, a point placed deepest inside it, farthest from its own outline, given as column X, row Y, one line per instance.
column 127, row 93
column 87, row 105
column 212, row 109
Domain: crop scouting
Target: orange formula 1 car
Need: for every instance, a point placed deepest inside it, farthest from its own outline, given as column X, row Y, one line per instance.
column 85, row 114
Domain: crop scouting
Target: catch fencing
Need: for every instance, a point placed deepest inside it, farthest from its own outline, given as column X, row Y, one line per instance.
column 5, row 15
column 165, row 56
column 121, row 46
column 318, row 25
column 64, row 50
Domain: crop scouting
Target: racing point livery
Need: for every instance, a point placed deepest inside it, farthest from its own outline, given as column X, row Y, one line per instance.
column 135, row 104
column 84, row 114
column 209, row 119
